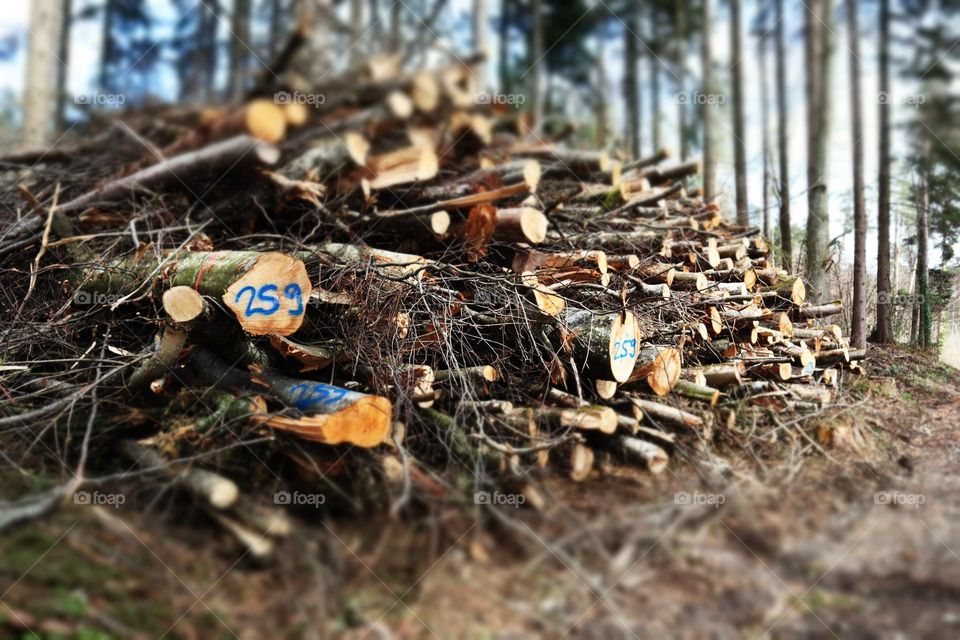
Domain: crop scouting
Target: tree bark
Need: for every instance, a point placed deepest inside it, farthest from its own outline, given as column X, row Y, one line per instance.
column 239, row 49
column 481, row 39
column 884, row 323
column 819, row 53
column 858, row 331
column 537, row 66
column 630, row 81
column 739, row 146
column 63, row 63
column 707, row 110
column 680, row 46
column 786, row 244
column 39, row 96
column 765, row 138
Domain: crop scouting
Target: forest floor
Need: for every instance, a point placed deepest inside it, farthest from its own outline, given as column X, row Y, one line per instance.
column 852, row 533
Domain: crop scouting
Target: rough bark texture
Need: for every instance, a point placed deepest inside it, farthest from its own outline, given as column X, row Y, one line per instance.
column 884, row 321
column 858, row 331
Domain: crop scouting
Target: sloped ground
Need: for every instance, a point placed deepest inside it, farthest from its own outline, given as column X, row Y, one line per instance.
column 861, row 540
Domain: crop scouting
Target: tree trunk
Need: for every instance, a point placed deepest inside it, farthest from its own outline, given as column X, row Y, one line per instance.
column 654, row 81
column 600, row 113
column 819, row 50
column 739, row 146
column 357, row 53
column 680, row 42
column 786, row 244
column 63, row 63
column 765, row 138
column 884, row 323
column 630, row 81
column 922, row 290
column 503, row 37
column 481, row 39
column 275, row 37
column 537, row 66
column 39, row 96
column 106, row 44
column 858, row 331
column 239, row 49
column 707, row 110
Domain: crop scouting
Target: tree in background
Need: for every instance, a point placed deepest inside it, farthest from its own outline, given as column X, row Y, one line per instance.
column 706, row 109
column 935, row 165
column 631, row 82
column 40, row 92
column 739, row 126
column 679, row 71
column 783, row 186
column 884, row 333
column 63, row 63
column 480, row 39
column 858, row 330
column 818, row 21
column 239, row 49
column 765, row 124
column 538, row 65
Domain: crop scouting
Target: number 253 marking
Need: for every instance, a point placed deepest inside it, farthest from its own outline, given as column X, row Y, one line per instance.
column 266, row 299
column 620, row 350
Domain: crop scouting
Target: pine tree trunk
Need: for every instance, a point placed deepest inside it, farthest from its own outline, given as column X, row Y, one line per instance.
column 537, row 66
column 884, row 323
column 858, row 331
column 106, row 44
column 655, row 81
column 63, row 63
column 601, row 100
column 922, row 290
column 631, row 33
column 39, row 96
column 819, row 50
column 239, row 49
column 503, row 39
column 356, row 32
column 739, row 146
column 786, row 243
column 680, row 42
column 765, row 138
column 275, row 38
column 707, row 110
column 481, row 39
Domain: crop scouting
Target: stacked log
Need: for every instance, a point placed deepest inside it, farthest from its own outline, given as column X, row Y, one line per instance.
column 417, row 259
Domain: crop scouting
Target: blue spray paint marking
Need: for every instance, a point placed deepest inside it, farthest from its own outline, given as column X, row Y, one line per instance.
column 620, row 350
column 309, row 395
column 269, row 299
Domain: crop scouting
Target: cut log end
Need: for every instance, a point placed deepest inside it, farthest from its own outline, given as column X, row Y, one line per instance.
column 182, row 304
column 365, row 423
column 270, row 298
column 265, row 120
column 624, row 346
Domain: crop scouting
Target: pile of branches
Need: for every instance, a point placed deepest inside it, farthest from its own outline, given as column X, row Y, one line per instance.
column 374, row 287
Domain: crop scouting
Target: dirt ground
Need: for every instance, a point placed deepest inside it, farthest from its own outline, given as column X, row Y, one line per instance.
column 850, row 531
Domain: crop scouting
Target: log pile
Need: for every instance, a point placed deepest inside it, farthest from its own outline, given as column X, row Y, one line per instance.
column 407, row 270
